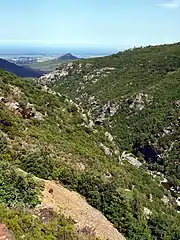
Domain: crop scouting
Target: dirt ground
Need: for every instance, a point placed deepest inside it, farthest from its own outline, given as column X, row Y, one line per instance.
column 4, row 233
column 71, row 204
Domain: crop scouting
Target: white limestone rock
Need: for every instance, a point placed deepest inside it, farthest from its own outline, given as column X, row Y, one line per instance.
column 106, row 150
column 109, row 136
column 147, row 212
column 131, row 159
column 165, row 200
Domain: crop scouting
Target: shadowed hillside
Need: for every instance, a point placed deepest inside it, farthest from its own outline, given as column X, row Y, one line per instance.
column 19, row 70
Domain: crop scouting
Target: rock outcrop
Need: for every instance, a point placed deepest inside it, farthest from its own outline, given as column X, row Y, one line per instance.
column 25, row 110
column 131, row 159
column 140, row 101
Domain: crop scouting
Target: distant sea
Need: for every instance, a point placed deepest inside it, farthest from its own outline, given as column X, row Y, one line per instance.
column 84, row 52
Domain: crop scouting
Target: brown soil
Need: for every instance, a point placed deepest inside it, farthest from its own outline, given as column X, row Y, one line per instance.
column 5, row 233
column 87, row 219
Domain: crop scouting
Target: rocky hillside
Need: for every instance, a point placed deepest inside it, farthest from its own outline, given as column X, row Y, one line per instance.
column 20, row 71
column 136, row 96
column 106, row 128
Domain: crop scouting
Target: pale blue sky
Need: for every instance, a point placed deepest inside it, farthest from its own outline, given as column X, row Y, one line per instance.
column 112, row 23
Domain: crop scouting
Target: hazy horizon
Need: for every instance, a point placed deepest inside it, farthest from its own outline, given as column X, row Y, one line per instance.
column 34, row 49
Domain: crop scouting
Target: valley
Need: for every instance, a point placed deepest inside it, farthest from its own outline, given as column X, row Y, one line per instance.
column 106, row 128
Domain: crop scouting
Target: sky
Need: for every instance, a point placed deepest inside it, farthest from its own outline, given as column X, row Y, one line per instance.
column 105, row 23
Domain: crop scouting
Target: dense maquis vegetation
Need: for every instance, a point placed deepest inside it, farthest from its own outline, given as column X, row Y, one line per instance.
column 24, row 224
column 151, row 71
column 58, row 145
column 20, row 192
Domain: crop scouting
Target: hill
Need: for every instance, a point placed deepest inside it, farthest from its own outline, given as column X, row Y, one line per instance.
column 68, row 56
column 135, row 94
column 106, row 128
column 50, row 65
column 20, row 71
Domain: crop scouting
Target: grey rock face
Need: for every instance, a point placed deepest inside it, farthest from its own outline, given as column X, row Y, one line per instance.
column 140, row 101
column 131, row 159
column 100, row 113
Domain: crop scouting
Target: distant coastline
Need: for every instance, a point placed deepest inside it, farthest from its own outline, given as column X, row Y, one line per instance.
column 83, row 52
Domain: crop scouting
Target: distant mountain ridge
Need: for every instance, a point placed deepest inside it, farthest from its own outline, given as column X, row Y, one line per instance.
column 20, row 71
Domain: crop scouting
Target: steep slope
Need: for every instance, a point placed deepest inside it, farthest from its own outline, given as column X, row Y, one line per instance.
column 71, row 204
column 48, row 152
column 136, row 94
column 46, row 134
column 87, row 220
column 19, row 70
